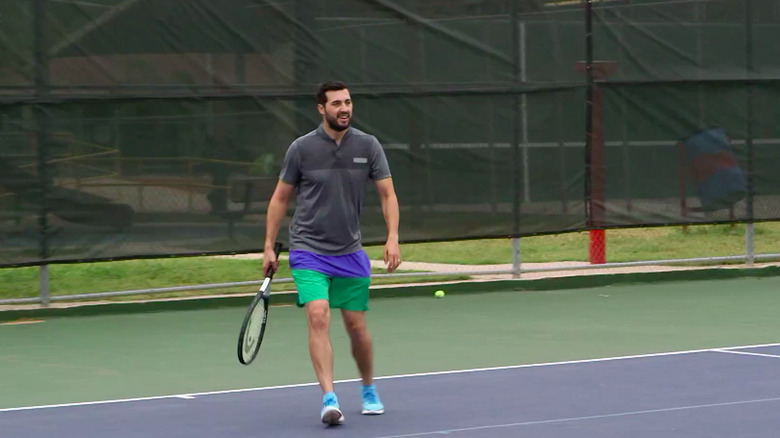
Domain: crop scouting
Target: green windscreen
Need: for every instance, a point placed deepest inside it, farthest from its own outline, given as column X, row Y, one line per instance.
column 146, row 128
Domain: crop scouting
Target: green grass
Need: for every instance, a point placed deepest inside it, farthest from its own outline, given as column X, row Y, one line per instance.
column 85, row 278
column 622, row 245
column 130, row 274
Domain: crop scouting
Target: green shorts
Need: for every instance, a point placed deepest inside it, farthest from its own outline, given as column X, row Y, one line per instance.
column 348, row 293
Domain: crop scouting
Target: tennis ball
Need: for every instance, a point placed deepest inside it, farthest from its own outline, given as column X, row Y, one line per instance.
column 439, row 294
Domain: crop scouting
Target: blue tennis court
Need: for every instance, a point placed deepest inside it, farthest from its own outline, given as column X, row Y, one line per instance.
column 724, row 392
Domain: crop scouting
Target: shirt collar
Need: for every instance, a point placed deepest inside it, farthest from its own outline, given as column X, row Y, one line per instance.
column 321, row 132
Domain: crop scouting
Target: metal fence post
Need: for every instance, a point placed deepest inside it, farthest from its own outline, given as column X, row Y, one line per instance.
column 515, row 257
column 42, row 133
column 43, row 285
column 750, row 256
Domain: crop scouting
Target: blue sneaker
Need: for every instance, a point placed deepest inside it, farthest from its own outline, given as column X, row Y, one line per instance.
column 331, row 414
column 371, row 403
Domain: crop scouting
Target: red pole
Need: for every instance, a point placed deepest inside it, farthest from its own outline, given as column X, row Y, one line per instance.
column 597, row 245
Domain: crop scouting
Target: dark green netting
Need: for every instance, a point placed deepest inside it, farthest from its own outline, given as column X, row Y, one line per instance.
column 133, row 128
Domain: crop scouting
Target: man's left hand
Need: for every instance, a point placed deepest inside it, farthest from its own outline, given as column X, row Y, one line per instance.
column 392, row 255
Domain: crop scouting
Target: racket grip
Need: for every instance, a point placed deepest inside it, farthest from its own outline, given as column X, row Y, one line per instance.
column 277, row 251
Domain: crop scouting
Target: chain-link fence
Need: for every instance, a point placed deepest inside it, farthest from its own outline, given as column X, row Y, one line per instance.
column 136, row 128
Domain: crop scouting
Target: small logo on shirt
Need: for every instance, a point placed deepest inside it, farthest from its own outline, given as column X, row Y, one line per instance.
column 361, row 160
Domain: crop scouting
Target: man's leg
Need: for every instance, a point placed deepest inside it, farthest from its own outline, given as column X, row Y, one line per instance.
column 313, row 296
column 360, row 338
column 351, row 296
column 320, row 350
column 362, row 351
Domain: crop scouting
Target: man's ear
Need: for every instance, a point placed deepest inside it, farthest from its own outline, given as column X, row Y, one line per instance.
column 321, row 109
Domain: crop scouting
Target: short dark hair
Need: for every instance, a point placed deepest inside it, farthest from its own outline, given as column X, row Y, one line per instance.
column 322, row 98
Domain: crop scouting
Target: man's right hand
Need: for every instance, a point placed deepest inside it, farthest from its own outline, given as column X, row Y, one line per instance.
column 269, row 259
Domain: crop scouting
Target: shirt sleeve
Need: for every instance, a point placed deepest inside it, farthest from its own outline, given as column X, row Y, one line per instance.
column 291, row 167
column 379, row 167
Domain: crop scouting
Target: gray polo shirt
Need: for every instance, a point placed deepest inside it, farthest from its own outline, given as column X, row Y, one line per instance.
column 330, row 181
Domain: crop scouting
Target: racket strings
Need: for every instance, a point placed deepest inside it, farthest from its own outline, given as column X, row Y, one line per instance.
column 254, row 330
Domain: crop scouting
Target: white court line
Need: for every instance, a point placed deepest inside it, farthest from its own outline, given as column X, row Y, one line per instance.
column 398, row 376
column 590, row 417
column 747, row 353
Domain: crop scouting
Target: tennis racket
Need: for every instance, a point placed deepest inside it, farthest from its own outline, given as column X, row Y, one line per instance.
column 256, row 318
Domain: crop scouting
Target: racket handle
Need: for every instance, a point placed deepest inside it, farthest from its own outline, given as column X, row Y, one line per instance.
column 277, row 251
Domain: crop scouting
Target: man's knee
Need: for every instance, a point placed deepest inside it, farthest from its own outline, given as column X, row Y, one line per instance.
column 318, row 315
column 355, row 323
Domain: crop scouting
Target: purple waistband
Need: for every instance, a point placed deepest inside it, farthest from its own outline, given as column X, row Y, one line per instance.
column 355, row 264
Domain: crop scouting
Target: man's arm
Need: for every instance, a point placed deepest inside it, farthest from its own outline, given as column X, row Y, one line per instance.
column 277, row 209
column 390, row 211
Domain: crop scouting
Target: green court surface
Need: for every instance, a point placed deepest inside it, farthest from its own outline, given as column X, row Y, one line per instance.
column 126, row 355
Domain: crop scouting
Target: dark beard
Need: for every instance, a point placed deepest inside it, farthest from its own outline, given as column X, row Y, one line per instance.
column 334, row 124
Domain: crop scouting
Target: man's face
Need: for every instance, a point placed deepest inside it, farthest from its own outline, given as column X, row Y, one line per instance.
column 337, row 111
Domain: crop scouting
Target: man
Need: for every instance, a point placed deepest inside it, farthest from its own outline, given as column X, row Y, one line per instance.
column 328, row 169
